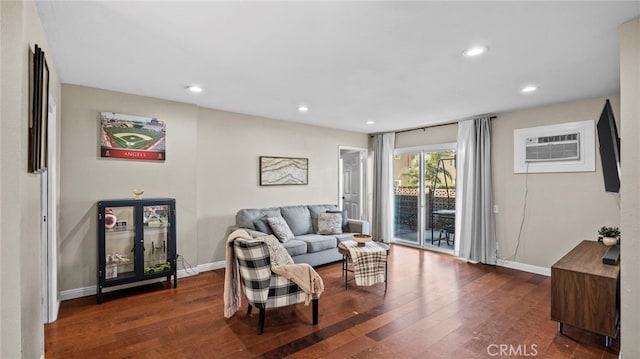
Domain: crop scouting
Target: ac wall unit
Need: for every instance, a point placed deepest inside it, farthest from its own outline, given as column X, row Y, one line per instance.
column 565, row 147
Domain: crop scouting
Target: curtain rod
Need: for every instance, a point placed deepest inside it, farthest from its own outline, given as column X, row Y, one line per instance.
column 431, row 126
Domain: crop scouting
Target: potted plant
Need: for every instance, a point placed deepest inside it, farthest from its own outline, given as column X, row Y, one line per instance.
column 610, row 235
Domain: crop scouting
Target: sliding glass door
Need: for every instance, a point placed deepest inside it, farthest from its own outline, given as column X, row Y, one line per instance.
column 408, row 197
column 424, row 196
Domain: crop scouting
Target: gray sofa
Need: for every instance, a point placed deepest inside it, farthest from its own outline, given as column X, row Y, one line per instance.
column 307, row 246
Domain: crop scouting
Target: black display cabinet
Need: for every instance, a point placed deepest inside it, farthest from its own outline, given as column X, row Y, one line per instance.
column 136, row 241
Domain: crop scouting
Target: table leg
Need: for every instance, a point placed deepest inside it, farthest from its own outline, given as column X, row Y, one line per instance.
column 386, row 271
column 345, row 267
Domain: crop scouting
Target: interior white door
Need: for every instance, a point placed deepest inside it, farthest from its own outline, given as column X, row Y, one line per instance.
column 352, row 183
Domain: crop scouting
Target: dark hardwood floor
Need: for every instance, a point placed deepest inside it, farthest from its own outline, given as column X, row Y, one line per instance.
column 435, row 307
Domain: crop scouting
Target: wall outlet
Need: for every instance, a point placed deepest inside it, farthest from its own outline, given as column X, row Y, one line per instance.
column 497, row 246
column 496, row 209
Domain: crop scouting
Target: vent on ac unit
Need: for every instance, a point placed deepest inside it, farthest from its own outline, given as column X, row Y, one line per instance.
column 564, row 147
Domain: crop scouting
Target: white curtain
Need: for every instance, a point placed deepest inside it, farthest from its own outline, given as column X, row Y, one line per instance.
column 382, row 217
column 475, row 222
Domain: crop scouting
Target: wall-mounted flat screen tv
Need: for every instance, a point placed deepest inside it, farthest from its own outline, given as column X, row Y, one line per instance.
column 609, row 149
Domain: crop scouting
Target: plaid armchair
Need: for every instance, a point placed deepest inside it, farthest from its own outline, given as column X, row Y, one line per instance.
column 263, row 288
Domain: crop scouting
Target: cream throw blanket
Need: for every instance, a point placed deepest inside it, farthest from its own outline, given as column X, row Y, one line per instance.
column 302, row 274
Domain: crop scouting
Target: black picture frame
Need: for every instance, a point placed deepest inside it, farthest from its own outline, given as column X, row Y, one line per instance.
column 38, row 116
column 283, row 171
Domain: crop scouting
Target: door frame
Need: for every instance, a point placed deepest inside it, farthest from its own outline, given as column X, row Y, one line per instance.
column 422, row 150
column 49, row 217
column 364, row 152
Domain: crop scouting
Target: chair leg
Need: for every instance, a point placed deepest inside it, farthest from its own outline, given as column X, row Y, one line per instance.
column 314, row 306
column 249, row 309
column 261, row 321
column 451, row 238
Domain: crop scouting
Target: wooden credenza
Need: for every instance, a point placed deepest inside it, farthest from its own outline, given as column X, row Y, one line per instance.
column 585, row 292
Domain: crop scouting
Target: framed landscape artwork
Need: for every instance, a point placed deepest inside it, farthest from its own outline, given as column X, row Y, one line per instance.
column 277, row 171
column 132, row 137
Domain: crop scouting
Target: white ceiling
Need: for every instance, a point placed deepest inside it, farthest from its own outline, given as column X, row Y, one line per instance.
column 396, row 63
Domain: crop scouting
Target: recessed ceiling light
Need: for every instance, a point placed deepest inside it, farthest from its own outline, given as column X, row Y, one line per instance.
column 303, row 108
column 529, row 89
column 194, row 88
column 474, row 51
column 370, row 122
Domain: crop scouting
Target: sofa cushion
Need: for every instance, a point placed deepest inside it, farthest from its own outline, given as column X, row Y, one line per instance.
column 262, row 225
column 344, row 237
column 295, row 247
column 330, row 223
column 298, row 218
column 280, row 228
column 318, row 242
column 316, row 209
column 246, row 217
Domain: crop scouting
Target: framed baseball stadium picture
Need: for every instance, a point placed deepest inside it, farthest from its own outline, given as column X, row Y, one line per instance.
column 132, row 137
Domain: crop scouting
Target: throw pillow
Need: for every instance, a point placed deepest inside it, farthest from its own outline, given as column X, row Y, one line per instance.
column 345, row 219
column 262, row 225
column 330, row 223
column 279, row 255
column 315, row 211
column 280, row 228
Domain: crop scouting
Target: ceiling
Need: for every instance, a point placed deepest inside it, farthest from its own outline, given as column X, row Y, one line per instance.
column 398, row 64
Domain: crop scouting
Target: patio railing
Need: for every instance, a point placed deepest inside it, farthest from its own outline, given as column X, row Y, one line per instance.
column 406, row 206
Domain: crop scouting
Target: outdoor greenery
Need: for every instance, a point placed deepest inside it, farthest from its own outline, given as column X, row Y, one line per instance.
column 430, row 169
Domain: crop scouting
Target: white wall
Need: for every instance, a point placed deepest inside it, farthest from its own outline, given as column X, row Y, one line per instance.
column 87, row 178
column 562, row 209
column 630, row 188
column 229, row 146
column 20, row 289
column 211, row 169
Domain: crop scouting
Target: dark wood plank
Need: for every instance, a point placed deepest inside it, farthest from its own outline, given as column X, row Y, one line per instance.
column 587, row 257
column 436, row 306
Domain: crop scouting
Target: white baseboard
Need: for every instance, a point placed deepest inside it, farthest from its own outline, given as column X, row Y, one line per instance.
column 524, row 267
column 78, row 292
column 211, row 266
column 91, row 290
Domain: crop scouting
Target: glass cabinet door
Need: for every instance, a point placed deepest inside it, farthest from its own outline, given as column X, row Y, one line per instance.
column 119, row 236
column 157, row 254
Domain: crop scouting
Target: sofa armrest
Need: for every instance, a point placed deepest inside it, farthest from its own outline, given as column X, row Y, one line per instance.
column 252, row 232
column 255, row 234
column 358, row 226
